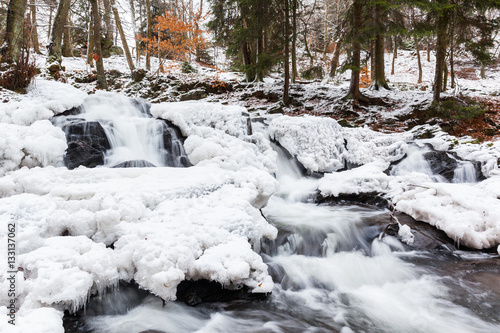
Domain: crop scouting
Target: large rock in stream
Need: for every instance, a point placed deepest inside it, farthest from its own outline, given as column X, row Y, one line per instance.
column 87, row 144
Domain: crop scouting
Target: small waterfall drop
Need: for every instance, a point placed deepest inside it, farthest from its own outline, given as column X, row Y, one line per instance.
column 465, row 173
column 134, row 137
column 414, row 162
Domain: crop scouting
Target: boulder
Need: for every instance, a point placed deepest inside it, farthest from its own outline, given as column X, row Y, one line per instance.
column 134, row 164
column 87, row 144
column 193, row 95
column 441, row 163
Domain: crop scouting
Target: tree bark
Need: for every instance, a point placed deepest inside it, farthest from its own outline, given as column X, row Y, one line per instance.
column 286, row 56
column 379, row 81
column 34, row 32
column 13, row 40
column 335, row 60
column 395, row 55
column 90, row 42
column 67, row 49
column 325, row 42
column 101, row 77
column 149, row 35
column 440, row 55
column 136, row 35
column 419, row 61
column 354, row 92
column 108, row 27
column 295, row 73
column 55, row 45
column 118, row 23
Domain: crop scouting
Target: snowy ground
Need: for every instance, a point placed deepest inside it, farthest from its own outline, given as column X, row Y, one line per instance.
column 80, row 231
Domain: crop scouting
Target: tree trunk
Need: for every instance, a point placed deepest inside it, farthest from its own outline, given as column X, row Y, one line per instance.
column 379, row 81
column 418, row 60
column 260, row 52
column 372, row 59
column 90, row 42
column 428, row 50
column 108, row 27
column 136, row 35
column 67, row 49
column 13, row 40
column 335, row 60
column 149, row 35
column 440, row 55
column 34, row 32
column 295, row 73
column 445, row 76
column 395, row 55
column 49, row 30
column 118, row 23
column 354, row 92
column 325, row 42
column 286, row 56
column 55, row 45
column 101, row 77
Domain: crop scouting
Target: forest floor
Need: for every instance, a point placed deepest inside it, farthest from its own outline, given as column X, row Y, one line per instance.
column 406, row 105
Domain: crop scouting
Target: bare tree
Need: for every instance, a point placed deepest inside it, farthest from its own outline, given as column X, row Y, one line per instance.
column 55, row 44
column 13, row 40
column 96, row 18
column 118, row 23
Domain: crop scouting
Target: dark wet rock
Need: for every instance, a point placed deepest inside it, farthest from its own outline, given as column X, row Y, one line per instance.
column 369, row 198
column 71, row 112
column 278, row 108
column 196, row 94
column 196, row 292
column 87, row 144
column 135, row 164
column 441, row 163
column 426, row 236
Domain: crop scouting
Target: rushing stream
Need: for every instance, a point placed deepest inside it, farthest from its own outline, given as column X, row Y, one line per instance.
column 333, row 272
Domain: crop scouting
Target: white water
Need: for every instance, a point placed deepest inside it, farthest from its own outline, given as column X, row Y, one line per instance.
column 465, row 173
column 132, row 133
column 332, row 273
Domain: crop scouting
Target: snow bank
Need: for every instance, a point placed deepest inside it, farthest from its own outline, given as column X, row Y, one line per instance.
column 44, row 100
column 166, row 225
column 321, row 144
column 468, row 214
column 40, row 144
column 317, row 143
column 217, row 135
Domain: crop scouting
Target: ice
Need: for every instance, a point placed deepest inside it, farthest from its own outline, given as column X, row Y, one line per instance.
column 40, row 144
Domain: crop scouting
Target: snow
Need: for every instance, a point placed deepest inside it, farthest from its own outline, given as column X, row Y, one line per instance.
column 166, row 225
column 316, row 142
column 80, row 231
column 40, row 144
column 217, row 135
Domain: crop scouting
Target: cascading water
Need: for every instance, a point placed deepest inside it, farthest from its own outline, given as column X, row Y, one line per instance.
column 465, row 173
column 333, row 272
column 134, row 137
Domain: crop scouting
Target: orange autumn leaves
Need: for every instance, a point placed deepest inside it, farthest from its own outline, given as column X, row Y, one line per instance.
column 174, row 38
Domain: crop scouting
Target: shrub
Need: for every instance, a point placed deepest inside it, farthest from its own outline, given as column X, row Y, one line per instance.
column 186, row 67
column 454, row 109
column 19, row 76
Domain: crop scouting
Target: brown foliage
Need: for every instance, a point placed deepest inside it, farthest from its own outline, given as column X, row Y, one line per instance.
column 175, row 38
column 19, row 76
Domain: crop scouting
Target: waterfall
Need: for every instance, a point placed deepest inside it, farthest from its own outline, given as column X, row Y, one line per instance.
column 465, row 173
column 134, row 137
